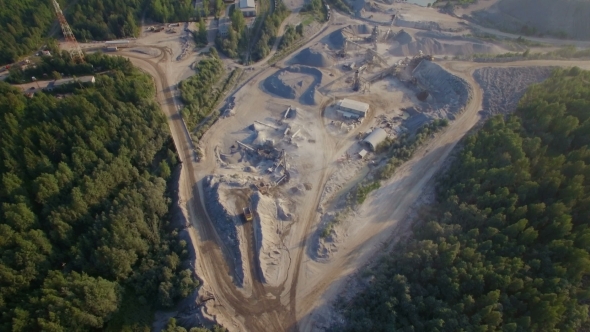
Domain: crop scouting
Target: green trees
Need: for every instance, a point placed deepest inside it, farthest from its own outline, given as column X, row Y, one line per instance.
column 506, row 247
column 198, row 92
column 84, row 204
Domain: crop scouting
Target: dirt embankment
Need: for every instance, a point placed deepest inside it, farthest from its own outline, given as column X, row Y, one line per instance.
column 565, row 18
column 450, row 93
column 503, row 87
column 225, row 211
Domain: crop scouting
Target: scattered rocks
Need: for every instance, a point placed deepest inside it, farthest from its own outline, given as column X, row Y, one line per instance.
column 503, row 87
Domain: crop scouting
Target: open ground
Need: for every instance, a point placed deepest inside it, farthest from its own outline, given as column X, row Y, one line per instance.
column 289, row 156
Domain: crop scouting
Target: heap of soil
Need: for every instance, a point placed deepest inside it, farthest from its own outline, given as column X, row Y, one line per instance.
column 311, row 57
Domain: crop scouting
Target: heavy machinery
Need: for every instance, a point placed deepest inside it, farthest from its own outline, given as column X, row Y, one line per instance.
column 248, row 214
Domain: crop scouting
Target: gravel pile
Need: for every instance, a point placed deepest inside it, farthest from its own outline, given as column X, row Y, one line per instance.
column 225, row 221
column 360, row 29
column 314, row 58
column 336, row 39
column 449, row 92
column 403, row 38
column 504, row 87
column 281, row 85
column 405, row 46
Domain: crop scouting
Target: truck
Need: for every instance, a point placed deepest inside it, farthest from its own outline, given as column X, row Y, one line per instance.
column 247, row 214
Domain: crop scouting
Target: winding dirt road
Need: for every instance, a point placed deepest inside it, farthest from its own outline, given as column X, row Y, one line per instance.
column 291, row 306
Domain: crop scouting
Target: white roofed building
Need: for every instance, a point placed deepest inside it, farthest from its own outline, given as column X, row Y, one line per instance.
column 248, row 7
column 352, row 108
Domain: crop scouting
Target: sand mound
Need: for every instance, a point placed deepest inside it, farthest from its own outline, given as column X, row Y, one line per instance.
column 503, row 87
column 269, row 247
column 449, row 92
column 295, row 82
column 314, row 58
column 567, row 18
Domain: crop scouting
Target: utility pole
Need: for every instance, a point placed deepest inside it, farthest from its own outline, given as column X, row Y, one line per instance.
column 74, row 48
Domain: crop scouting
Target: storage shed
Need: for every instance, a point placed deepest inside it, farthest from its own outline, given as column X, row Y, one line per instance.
column 377, row 136
column 356, row 108
column 248, row 7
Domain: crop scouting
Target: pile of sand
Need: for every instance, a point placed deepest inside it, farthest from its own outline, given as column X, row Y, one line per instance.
column 450, row 94
column 503, row 87
column 312, row 57
column 295, row 82
column 564, row 17
column 269, row 247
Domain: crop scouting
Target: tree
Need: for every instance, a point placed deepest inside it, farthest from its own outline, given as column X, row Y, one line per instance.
column 238, row 21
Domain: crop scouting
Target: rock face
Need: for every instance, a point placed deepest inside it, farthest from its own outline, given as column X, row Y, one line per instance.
column 568, row 18
column 449, row 92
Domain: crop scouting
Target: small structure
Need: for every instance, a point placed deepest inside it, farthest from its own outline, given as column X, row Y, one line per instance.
column 362, row 153
column 352, row 108
column 248, row 7
column 377, row 136
column 66, row 81
column 46, row 53
column 112, row 48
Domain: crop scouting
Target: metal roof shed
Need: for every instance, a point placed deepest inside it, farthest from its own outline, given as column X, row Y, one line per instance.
column 353, row 106
column 377, row 136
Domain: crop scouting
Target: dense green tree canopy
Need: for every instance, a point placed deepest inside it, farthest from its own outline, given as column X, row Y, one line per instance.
column 24, row 24
column 507, row 245
column 84, row 205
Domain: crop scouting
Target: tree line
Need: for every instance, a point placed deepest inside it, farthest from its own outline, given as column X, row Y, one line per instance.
column 87, row 242
column 506, row 246
column 25, row 24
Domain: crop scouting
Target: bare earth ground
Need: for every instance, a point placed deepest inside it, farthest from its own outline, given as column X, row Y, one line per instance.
column 299, row 298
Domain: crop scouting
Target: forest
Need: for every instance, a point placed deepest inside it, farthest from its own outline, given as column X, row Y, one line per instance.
column 25, row 24
column 506, row 245
column 87, row 242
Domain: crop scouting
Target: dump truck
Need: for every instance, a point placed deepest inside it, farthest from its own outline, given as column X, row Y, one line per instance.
column 247, row 214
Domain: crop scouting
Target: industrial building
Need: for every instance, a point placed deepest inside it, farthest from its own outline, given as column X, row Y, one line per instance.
column 65, row 81
column 352, row 109
column 248, row 7
column 377, row 136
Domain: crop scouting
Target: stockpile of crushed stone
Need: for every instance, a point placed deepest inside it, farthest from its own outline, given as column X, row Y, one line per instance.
column 440, row 47
column 225, row 217
column 403, row 37
column 359, row 29
column 449, row 92
column 504, row 87
column 269, row 248
column 295, row 82
column 337, row 39
column 311, row 57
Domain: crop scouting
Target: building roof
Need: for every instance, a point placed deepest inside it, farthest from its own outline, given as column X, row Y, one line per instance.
column 354, row 105
column 362, row 153
column 247, row 4
column 377, row 136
